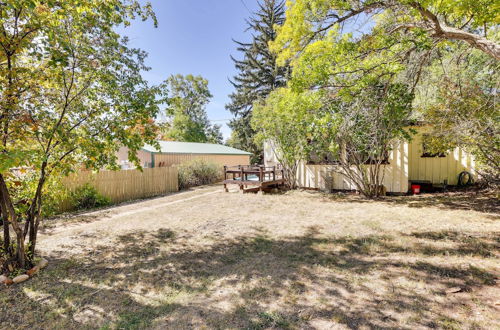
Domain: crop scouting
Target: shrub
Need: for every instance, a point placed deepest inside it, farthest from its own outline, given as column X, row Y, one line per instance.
column 23, row 182
column 87, row 197
column 198, row 172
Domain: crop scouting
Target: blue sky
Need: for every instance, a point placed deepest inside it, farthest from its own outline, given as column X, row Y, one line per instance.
column 195, row 36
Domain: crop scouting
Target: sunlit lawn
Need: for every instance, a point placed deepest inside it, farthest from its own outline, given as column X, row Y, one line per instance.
column 298, row 260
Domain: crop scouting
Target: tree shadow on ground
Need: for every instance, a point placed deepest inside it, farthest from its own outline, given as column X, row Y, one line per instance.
column 480, row 201
column 473, row 201
column 310, row 281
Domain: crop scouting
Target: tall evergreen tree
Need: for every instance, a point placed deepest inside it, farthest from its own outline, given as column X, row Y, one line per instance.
column 258, row 74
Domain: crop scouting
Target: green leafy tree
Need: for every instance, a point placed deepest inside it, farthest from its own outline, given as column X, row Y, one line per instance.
column 365, row 130
column 398, row 38
column 460, row 98
column 286, row 121
column 187, row 120
column 398, row 25
column 71, row 93
column 358, row 131
column 258, row 74
column 344, row 62
column 358, row 78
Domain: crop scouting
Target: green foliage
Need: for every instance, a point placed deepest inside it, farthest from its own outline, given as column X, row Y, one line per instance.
column 365, row 76
column 187, row 119
column 338, row 61
column 71, row 94
column 87, row 197
column 342, row 98
column 258, row 75
column 22, row 184
column 460, row 99
column 356, row 130
column 368, row 129
column 286, row 120
column 198, row 172
column 63, row 90
column 391, row 29
column 17, row 272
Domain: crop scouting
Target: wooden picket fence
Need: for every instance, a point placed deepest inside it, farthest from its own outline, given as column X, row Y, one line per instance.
column 126, row 185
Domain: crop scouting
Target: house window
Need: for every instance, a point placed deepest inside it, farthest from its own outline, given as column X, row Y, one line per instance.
column 326, row 158
column 329, row 158
column 383, row 160
column 321, row 155
column 427, row 150
column 365, row 158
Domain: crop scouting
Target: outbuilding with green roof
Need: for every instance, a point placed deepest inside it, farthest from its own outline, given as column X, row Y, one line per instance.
column 171, row 153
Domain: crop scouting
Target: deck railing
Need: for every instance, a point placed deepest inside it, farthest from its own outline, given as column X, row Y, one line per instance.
column 253, row 175
column 263, row 173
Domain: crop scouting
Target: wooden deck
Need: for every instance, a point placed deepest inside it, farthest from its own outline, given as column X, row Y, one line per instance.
column 259, row 177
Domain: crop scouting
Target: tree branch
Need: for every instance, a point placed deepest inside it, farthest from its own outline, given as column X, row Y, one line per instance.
column 447, row 32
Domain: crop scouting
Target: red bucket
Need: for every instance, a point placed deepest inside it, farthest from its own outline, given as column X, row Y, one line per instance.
column 415, row 189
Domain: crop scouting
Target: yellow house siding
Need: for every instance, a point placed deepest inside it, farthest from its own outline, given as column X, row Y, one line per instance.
column 326, row 177
column 437, row 169
column 405, row 164
column 270, row 158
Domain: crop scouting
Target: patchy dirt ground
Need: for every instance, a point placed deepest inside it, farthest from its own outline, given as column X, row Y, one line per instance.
column 208, row 259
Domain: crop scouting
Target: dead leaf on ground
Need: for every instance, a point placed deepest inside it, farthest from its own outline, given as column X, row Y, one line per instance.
column 455, row 289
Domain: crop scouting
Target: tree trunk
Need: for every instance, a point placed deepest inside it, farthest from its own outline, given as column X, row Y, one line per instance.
column 6, row 232
column 11, row 218
column 34, row 212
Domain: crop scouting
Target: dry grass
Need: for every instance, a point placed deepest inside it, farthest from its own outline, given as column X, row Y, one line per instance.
column 298, row 260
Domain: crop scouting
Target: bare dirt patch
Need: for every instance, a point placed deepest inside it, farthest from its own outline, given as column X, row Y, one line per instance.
column 297, row 260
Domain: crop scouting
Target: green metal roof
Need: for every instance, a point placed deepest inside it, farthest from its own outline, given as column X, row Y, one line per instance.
column 172, row 147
